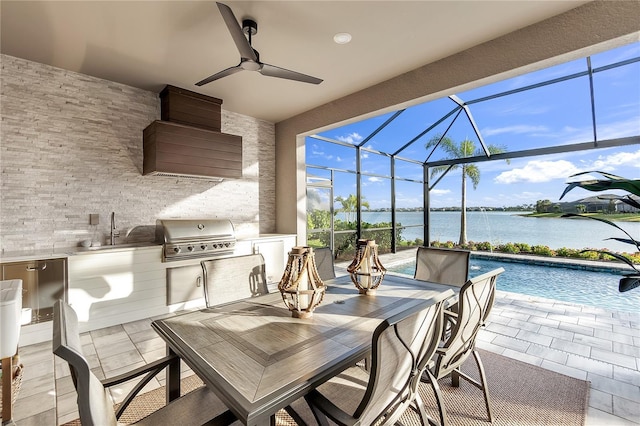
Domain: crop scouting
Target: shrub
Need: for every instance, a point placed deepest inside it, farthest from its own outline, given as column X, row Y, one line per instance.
column 508, row 248
column 589, row 255
column 523, row 247
column 567, row 252
column 542, row 250
column 485, row 246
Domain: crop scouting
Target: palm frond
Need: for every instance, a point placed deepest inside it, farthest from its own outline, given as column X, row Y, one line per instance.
column 628, row 282
column 611, row 182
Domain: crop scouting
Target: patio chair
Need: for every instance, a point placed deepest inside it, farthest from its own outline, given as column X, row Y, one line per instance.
column 401, row 347
column 442, row 265
column 233, row 278
column 324, row 263
column 198, row 407
column 474, row 304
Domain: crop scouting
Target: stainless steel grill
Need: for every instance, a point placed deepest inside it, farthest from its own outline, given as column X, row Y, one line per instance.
column 195, row 238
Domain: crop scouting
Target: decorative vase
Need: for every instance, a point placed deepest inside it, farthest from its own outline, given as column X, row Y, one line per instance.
column 301, row 287
column 366, row 270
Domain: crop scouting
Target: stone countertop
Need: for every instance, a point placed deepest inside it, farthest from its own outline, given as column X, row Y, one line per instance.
column 64, row 252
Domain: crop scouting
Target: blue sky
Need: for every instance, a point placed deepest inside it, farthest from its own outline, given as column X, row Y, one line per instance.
column 545, row 116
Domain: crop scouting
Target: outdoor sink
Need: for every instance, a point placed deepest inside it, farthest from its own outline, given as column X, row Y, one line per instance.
column 116, row 246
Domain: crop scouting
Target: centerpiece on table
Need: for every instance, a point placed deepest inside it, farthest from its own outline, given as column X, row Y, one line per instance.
column 301, row 287
column 366, row 270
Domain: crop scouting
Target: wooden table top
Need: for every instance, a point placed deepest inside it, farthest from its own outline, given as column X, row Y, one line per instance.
column 258, row 359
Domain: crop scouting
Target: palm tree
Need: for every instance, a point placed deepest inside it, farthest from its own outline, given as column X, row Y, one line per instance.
column 350, row 205
column 465, row 148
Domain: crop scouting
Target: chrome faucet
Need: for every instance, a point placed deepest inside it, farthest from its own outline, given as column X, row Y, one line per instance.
column 114, row 232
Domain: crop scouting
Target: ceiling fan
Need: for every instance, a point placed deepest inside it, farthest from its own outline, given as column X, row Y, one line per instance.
column 249, row 57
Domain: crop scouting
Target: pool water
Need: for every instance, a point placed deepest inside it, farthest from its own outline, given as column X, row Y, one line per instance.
column 593, row 288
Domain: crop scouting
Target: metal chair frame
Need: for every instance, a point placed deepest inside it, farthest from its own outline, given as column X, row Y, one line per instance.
column 402, row 346
column 474, row 305
column 94, row 404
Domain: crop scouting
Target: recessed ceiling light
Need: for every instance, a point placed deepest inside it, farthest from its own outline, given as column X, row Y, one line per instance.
column 342, row 38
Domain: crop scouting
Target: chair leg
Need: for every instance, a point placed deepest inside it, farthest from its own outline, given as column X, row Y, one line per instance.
column 425, row 419
column 483, row 380
column 455, row 378
column 319, row 415
column 439, row 399
column 295, row 416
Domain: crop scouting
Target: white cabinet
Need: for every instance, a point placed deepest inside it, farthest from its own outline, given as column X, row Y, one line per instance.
column 275, row 251
column 114, row 287
column 107, row 288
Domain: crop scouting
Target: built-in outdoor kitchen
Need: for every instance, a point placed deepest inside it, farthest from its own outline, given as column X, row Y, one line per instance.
column 112, row 196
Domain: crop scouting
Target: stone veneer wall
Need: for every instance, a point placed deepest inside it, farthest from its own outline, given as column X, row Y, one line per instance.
column 71, row 145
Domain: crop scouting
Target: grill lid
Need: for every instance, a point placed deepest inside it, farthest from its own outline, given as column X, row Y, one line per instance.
column 195, row 238
column 175, row 230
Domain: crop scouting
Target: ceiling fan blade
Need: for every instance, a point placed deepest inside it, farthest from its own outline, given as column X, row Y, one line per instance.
column 273, row 71
column 216, row 76
column 245, row 49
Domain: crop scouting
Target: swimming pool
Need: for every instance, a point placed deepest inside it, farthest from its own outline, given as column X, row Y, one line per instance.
column 593, row 288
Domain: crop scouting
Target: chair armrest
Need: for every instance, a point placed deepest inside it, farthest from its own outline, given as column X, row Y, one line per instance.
column 151, row 370
column 156, row 366
column 318, row 401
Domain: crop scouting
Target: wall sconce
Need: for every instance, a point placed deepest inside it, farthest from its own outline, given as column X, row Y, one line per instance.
column 301, row 287
column 366, row 270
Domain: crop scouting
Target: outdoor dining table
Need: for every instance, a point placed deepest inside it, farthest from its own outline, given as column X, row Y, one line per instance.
column 258, row 359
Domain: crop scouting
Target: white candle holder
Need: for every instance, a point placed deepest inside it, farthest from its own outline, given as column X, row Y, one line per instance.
column 301, row 287
column 366, row 270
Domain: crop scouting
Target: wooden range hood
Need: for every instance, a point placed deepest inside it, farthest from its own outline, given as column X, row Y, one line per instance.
column 187, row 142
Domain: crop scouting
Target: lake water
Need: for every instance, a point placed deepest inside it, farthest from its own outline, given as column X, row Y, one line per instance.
column 503, row 227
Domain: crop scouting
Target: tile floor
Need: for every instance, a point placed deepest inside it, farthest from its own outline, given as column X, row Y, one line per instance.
column 583, row 342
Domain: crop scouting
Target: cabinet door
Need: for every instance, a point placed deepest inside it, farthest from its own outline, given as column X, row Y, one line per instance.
column 184, row 284
column 43, row 282
column 275, row 258
column 107, row 288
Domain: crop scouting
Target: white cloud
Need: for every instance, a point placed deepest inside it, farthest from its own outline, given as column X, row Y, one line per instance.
column 519, row 129
column 619, row 159
column 538, row 171
column 374, row 179
column 352, row 138
column 439, row 191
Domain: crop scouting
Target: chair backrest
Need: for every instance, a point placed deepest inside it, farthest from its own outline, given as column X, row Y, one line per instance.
column 94, row 404
column 442, row 265
column 401, row 347
column 324, row 263
column 233, row 278
column 474, row 304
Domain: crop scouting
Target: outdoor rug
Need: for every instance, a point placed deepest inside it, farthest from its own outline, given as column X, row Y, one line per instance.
column 521, row 395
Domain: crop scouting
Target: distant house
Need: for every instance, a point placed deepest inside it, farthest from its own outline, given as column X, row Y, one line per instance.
column 600, row 203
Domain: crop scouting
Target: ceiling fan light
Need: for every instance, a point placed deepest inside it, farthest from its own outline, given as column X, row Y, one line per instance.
column 342, row 38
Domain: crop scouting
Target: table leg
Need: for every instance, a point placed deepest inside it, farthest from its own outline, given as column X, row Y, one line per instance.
column 7, row 373
column 173, row 378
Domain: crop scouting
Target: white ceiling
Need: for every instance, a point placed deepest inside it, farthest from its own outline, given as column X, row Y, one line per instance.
column 149, row 44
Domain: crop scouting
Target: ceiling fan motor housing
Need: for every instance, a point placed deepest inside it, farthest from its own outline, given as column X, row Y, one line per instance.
column 250, row 27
